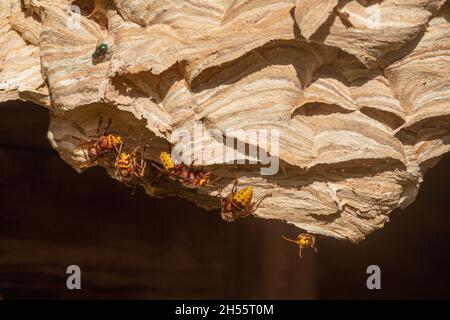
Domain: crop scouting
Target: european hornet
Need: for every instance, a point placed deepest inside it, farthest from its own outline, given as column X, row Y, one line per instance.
column 128, row 167
column 182, row 172
column 238, row 204
column 304, row 240
column 97, row 148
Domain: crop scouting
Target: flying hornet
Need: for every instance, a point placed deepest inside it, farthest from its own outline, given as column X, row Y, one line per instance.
column 239, row 204
column 304, row 240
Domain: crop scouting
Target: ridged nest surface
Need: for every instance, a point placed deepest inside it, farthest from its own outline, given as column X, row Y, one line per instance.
column 359, row 91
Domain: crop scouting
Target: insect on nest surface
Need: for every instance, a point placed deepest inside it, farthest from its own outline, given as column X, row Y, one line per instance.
column 183, row 173
column 239, row 204
column 129, row 168
column 97, row 148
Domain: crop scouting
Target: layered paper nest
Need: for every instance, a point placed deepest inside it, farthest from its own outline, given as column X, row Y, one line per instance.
column 359, row 91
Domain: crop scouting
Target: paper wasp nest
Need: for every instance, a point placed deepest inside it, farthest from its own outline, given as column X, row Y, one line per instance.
column 358, row 90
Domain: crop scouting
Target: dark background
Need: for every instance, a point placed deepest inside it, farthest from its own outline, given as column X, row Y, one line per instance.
column 139, row 247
